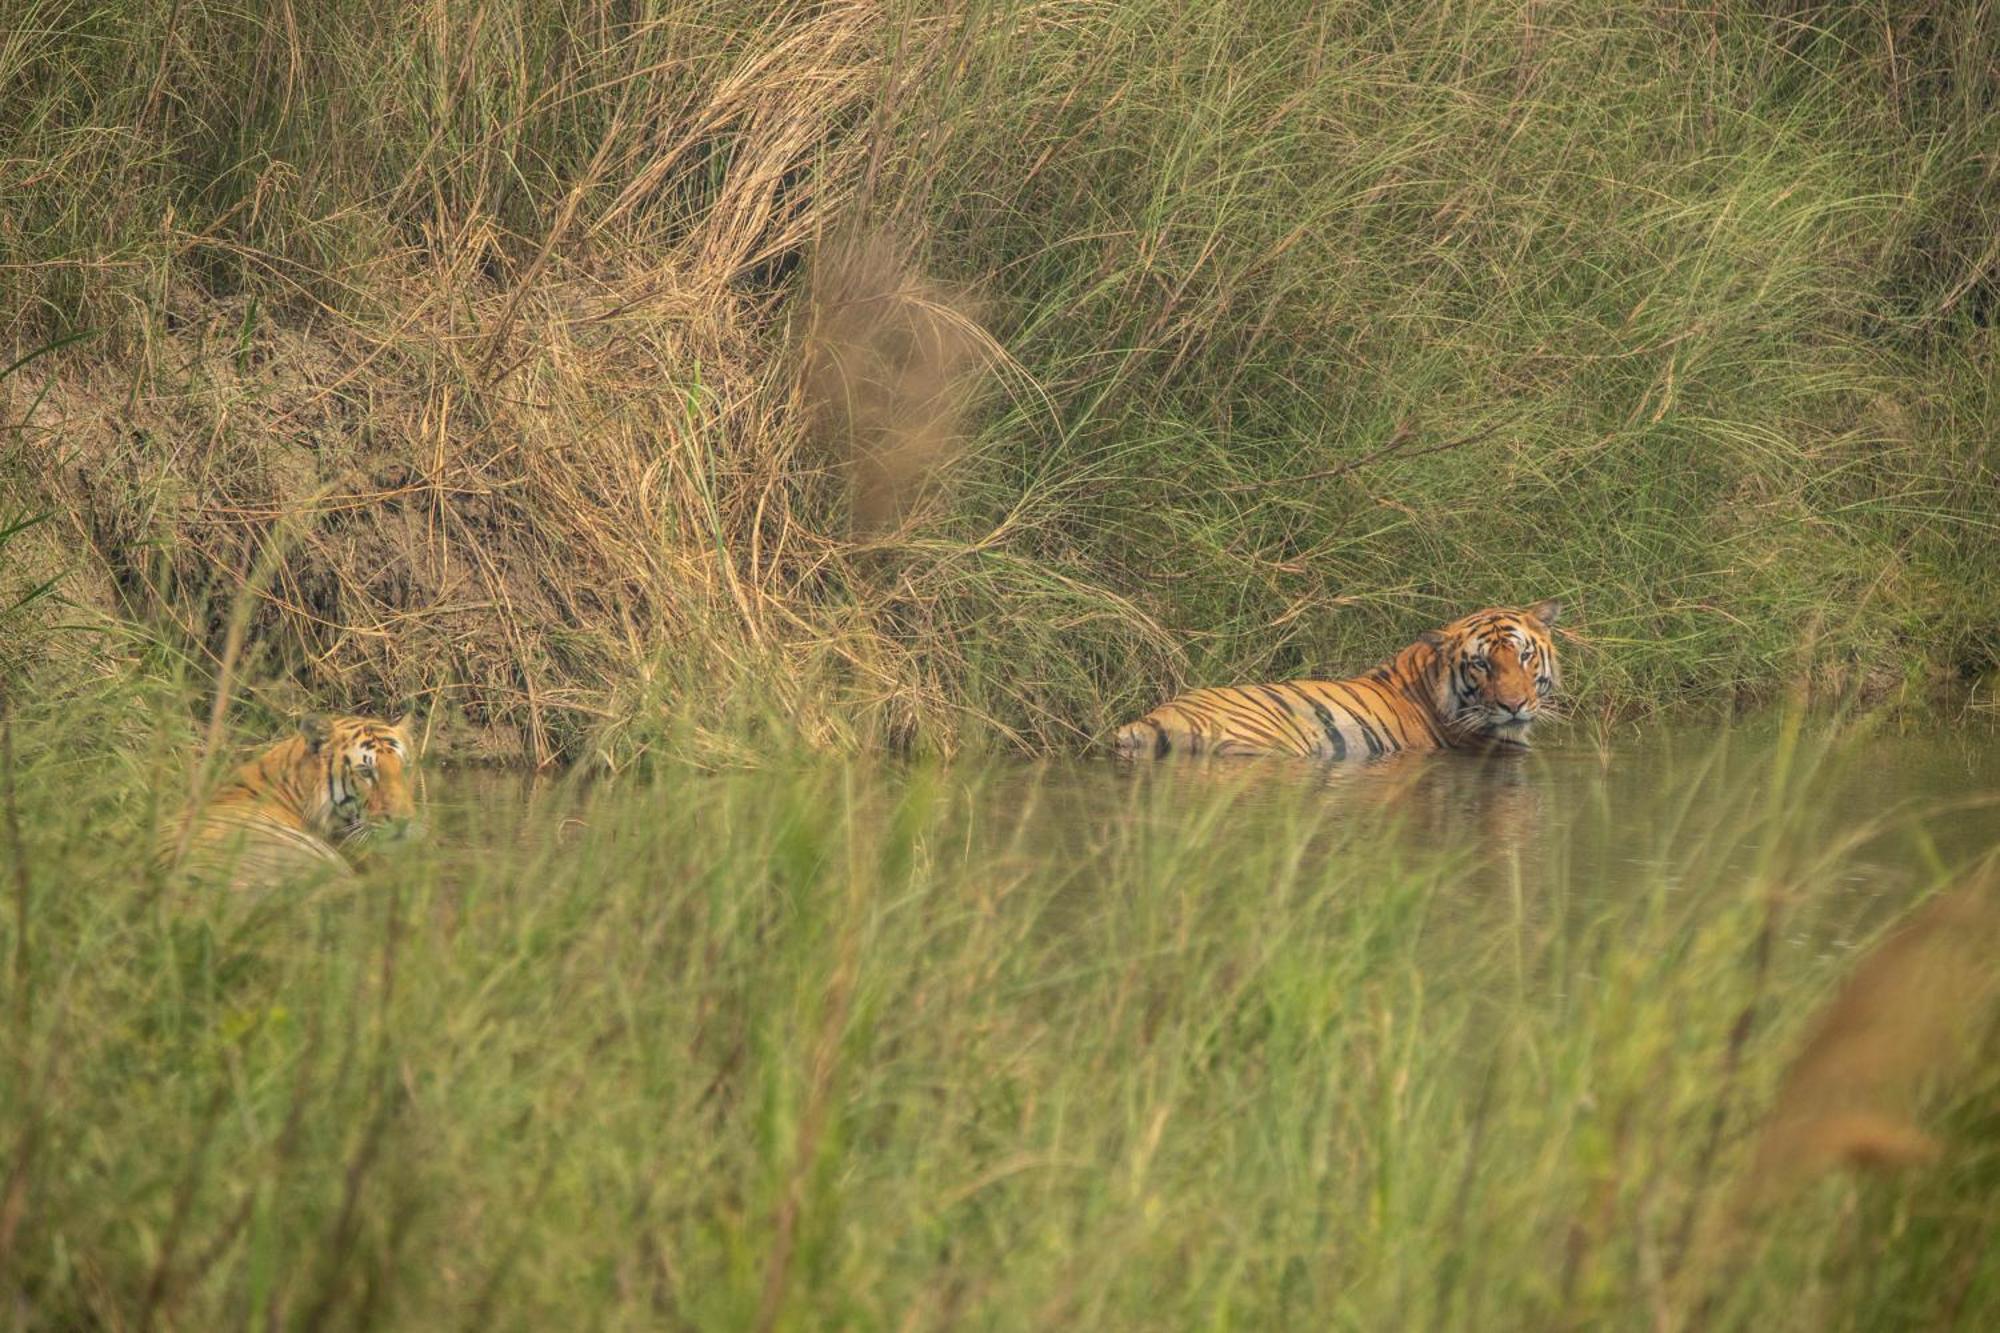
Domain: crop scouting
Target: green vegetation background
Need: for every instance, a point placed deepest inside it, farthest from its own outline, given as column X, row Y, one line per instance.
column 477, row 337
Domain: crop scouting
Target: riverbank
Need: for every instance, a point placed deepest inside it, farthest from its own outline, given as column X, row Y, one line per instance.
column 619, row 387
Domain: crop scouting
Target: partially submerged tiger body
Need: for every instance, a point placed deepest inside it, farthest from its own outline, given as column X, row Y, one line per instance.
column 282, row 816
column 1475, row 684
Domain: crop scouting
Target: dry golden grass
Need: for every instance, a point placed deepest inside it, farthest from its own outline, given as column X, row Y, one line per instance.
column 892, row 364
column 515, row 490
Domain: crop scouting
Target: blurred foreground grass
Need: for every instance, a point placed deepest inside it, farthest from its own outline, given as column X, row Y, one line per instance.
column 849, row 1044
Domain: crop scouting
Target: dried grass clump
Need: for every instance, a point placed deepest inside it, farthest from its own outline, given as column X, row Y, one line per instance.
column 501, row 549
column 541, row 429
column 891, row 368
column 553, row 484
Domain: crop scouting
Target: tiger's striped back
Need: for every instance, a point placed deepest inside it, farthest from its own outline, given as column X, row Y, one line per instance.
column 1477, row 683
column 279, row 817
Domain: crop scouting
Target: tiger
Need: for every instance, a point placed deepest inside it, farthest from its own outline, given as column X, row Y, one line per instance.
column 1475, row 684
column 339, row 780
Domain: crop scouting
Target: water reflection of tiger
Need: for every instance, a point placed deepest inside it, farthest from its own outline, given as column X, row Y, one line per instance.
column 340, row 780
column 1475, row 684
column 1494, row 807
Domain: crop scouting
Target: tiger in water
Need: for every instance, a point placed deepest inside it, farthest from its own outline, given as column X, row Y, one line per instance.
column 1475, row 684
column 339, row 780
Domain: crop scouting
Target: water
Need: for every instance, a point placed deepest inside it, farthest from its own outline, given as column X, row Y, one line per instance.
column 1574, row 822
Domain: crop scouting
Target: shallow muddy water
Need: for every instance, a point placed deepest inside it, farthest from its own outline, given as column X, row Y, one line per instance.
column 1873, row 813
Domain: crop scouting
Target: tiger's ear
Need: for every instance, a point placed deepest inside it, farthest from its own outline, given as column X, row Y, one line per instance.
column 401, row 729
column 1433, row 637
column 317, row 731
column 1545, row 613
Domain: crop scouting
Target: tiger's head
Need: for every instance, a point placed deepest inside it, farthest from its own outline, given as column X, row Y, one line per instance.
column 357, row 777
column 1494, row 671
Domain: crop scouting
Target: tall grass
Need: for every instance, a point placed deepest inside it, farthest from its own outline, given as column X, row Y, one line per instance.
column 866, row 1045
column 1302, row 327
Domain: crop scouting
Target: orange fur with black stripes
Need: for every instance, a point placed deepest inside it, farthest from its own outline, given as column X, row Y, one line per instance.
column 283, row 815
column 1475, row 684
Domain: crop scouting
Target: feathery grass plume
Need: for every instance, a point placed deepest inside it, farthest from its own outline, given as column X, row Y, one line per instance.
column 1906, row 1019
column 890, row 368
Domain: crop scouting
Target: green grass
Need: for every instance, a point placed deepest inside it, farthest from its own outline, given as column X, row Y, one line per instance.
column 478, row 353
column 855, row 1045
column 1305, row 327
